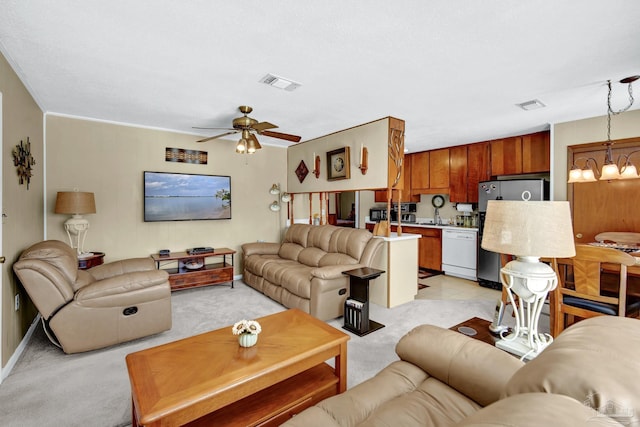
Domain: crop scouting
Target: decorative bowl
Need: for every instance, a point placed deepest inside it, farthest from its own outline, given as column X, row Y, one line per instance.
column 193, row 264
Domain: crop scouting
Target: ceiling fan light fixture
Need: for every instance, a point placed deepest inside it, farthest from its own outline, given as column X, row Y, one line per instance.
column 242, row 146
column 534, row 104
column 280, row 82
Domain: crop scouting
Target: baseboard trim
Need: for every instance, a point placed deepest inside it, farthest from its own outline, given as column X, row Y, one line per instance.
column 6, row 370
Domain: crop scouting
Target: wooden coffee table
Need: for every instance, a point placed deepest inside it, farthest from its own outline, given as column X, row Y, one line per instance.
column 209, row 377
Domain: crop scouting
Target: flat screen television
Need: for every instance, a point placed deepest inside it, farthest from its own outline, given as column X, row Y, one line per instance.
column 186, row 197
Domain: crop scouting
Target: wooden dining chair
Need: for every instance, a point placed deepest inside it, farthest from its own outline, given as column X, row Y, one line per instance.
column 579, row 292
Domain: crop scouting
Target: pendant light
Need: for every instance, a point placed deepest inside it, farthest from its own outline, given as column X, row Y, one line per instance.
column 610, row 169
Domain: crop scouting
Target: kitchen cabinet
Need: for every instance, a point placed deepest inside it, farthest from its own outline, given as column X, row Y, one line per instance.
column 429, row 246
column 468, row 165
column 430, row 172
column 536, row 152
column 458, row 174
column 381, row 196
column 521, row 154
column 478, row 168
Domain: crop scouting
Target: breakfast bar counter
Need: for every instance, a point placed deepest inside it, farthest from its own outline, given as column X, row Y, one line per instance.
column 399, row 259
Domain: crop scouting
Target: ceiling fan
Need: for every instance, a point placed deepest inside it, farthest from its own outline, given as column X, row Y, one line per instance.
column 248, row 127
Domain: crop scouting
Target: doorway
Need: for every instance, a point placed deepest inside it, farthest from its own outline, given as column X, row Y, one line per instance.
column 346, row 208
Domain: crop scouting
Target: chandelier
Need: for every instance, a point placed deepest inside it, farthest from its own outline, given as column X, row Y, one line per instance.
column 620, row 169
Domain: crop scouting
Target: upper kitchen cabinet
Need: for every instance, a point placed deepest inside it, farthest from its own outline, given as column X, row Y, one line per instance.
column 478, row 168
column 468, row 165
column 536, row 152
column 430, row 172
column 381, row 196
column 520, row 154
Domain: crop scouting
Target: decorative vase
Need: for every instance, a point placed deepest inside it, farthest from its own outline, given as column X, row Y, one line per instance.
column 247, row 340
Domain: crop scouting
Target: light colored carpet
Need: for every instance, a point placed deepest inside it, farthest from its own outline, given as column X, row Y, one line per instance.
column 50, row 388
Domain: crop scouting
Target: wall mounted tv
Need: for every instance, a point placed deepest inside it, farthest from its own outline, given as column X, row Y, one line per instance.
column 186, row 197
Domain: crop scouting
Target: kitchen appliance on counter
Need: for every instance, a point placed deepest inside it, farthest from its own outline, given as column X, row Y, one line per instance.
column 534, row 189
column 408, row 218
column 468, row 218
column 377, row 214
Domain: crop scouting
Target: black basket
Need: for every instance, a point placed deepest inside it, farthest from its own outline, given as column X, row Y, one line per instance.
column 356, row 315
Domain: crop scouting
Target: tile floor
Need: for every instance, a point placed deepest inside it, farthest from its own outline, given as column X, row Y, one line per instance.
column 449, row 287
column 445, row 287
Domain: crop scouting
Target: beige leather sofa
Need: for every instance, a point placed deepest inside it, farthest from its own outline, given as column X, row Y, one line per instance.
column 305, row 270
column 589, row 376
column 84, row 310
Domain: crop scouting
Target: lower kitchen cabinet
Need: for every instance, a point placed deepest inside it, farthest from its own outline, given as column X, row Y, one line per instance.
column 429, row 246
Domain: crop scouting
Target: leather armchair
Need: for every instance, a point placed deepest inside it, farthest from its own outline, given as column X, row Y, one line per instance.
column 85, row 310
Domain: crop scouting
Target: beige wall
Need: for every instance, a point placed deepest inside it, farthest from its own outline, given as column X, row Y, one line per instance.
column 625, row 125
column 373, row 135
column 23, row 224
column 109, row 159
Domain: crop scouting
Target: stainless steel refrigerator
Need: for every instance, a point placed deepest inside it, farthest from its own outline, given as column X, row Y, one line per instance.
column 489, row 262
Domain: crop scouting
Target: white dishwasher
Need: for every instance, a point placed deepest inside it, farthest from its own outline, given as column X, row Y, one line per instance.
column 459, row 252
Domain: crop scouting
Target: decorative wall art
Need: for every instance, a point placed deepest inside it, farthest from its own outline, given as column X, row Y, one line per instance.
column 23, row 161
column 302, row 171
column 185, row 156
column 338, row 164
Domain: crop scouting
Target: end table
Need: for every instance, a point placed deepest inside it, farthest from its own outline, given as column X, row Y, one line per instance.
column 356, row 307
column 97, row 258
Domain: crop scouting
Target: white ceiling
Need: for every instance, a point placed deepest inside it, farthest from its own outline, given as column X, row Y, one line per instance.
column 453, row 70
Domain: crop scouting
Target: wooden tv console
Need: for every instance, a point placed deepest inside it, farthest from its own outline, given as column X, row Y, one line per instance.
column 181, row 277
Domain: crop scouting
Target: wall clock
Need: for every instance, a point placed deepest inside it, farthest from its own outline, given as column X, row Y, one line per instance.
column 338, row 164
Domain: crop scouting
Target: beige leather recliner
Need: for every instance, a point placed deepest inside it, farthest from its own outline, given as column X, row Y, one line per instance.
column 85, row 310
column 588, row 376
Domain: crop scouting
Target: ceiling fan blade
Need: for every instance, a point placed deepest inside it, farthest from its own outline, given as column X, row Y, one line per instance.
column 217, row 136
column 285, row 136
column 263, row 126
column 196, row 127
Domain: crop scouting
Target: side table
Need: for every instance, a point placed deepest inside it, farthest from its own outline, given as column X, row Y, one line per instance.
column 96, row 258
column 356, row 307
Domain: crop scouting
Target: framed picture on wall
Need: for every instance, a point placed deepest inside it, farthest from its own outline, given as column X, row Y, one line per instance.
column 338, row 164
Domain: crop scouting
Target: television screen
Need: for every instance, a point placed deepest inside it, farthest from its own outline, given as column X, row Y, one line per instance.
column 186, row 197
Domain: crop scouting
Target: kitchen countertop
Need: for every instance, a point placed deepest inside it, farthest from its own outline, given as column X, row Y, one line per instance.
column 393, row 237
column 427, row 225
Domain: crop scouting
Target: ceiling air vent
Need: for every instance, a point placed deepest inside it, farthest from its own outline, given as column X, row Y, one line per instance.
column 534, row 104
column 280, row 82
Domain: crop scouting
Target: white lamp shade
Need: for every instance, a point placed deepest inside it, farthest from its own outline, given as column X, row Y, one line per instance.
column 588, row 176
column 575, row 175
column 275, row 189
column 610, row 171
column 529, row 228
column 629, row 172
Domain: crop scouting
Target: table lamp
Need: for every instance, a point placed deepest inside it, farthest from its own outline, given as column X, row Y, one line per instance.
column 529, row 230
column 76, row 203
